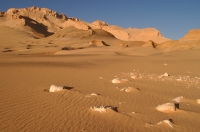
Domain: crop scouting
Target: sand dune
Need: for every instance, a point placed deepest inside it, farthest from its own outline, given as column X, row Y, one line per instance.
column 106, row 84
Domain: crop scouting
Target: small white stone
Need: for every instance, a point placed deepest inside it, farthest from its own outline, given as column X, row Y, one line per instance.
column 166, row 75
column 165, row 64
column 101, row 108
column 116, row 80
column 134, row 77
column 167, row 122
column 166, row 107
column 94, row 94
column 55, row 88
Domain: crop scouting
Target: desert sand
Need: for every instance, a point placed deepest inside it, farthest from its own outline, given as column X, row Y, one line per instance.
column 106, row 84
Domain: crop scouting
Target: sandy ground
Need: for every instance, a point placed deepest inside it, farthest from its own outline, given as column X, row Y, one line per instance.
column 25, row 106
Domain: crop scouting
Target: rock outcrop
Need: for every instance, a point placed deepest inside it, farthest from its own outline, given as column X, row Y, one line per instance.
column 146, row 34
column 149, row 43
column 2, row 13
column 190, row 41
column 192, row 35
column 130, row 34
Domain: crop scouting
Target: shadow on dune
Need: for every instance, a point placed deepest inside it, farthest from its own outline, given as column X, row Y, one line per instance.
column 67, row 87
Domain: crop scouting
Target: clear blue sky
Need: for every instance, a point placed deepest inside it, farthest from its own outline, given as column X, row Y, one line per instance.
column 173, row 18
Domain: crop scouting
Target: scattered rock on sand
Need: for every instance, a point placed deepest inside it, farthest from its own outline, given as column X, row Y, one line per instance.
column 55, row 88
column 167, row 122
column 167, row 107
column 164, row 75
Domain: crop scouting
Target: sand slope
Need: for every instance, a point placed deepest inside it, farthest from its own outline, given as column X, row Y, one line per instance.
column 25, row 106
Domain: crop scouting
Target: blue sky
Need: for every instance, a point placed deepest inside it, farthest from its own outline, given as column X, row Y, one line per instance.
column 173, row 18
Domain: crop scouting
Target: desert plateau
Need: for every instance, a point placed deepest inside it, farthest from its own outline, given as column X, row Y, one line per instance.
column 63, row 74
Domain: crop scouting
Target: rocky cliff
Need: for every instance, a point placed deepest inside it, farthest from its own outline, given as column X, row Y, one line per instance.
column 45, row 22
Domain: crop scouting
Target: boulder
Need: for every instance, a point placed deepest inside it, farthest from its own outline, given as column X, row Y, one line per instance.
column 55, row 88
column 167, row 107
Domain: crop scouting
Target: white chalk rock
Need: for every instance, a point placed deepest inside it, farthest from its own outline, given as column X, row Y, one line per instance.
column 166, row 75
column 134, row 77
column 167, row 122
column 55, row 88
column 116, row 80
column 198, row 101
column 127, row 89
column 178, row 99
column 168, row 107
column 94, row 94
column 101, row 108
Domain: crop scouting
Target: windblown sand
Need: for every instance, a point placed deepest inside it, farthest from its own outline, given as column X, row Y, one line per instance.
column 25, row 106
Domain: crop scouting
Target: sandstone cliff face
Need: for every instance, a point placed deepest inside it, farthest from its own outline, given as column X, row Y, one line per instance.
column 192, row 35
column 190, row 41
column 46, row 17
column 131, row 34
column 146, row 34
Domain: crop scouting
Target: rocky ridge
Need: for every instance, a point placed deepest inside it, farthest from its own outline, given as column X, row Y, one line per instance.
column 45, row 22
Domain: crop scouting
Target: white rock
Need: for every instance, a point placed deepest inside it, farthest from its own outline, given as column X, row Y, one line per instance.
column 167, row 122
column 94, row 94
column 166, row 107
column 198, row 101
column 126, row 89
column 134, row 77
column 55, row 88
column 101, row 108
column 166, row 75
column 178, row 99
column 165, row 64
column 116, row 80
